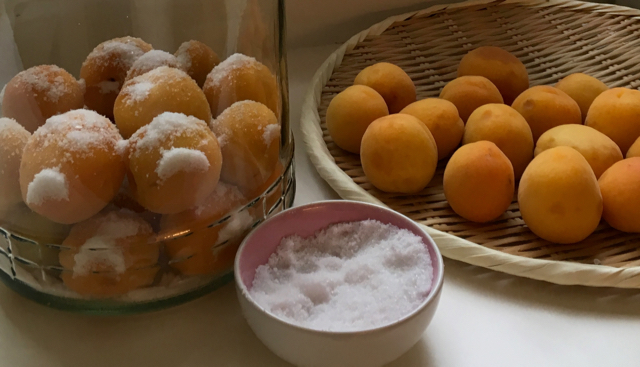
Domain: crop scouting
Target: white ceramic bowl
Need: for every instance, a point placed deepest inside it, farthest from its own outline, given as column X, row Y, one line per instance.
column 308, row 347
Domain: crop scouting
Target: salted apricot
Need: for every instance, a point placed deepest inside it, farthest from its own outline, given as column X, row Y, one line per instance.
column 105, row 70
column 71, row 167
column 240, row 78
column 34, row 95
column 249, row 135
column 197, row 59
column 163, row 89
column 152, row 60
column 174, row 163
column 110, row 254
column 14, row 137
column 198, row 253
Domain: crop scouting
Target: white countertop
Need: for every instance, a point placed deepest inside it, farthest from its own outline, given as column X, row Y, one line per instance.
column 485, row 318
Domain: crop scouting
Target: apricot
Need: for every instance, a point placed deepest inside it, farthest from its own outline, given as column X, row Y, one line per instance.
column 14, row 137
column 197, row 59
column 152, row 60
column 599, row 151
column 163, row 89
column 616, row 113
column 105, row 70
column 501, row 67
column 506, row 128
column 240, row 78
column 393, row 84
column 71, row 168
column 559, row 197
column 36, row 94
column 470, row 92
column 620, row 187
column 197, row 253
column 546, row 107
column 634, row 151
column 479, row 182
column 399, row 154
column 350, row 113
column 583, row 89
column 443, row 121
column 249, row 136
column 174, row 163
column 110, row 254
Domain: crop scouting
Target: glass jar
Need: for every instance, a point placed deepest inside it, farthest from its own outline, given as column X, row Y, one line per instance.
column 141, row 141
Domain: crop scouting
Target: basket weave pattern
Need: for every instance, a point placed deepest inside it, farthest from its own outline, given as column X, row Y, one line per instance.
column 553, row 39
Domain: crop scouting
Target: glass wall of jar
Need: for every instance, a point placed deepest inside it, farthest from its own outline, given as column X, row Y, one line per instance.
column 141, row 141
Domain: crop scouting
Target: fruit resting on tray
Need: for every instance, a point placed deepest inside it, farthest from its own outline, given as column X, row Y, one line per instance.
column 561, row 146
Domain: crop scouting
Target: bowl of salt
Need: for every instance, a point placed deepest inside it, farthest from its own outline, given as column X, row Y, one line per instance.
column 339, row 283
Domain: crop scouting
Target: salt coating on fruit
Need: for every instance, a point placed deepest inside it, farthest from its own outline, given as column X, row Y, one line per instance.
column 167, row 124
column 138, row 92
column 150, row 61
column 79, row 131
column 101, row 250
column 183, row 55
column 235, row 226
column 235, row 61
column 48, row 184
column 38, row 79
column 177, row 160
column 346, row 277
column 222, row 193
column 128, row 52
column 271, row 132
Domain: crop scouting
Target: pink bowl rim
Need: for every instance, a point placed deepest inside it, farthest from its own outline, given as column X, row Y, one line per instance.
column 433, row 294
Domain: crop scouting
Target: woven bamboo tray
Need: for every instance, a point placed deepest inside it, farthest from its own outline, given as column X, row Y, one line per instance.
column 553, row 38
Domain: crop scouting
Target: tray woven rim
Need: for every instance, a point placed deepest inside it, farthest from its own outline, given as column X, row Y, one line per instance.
column 558, row 272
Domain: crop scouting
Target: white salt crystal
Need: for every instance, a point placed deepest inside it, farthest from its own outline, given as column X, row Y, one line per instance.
column 126, row 51
column 121, row 147
column 38, row 78
column 271, row 132
column 183, row 55
column 79, row 131
column 347, row 277
column 107, row 87
column 167, row 124
column 235, row 61
column 235, row 226
column 223, row 139
column 102, row 250
column 138, row 92
column 177, row 160
column 221, row 194
column 152, row 60
column 48, row 184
